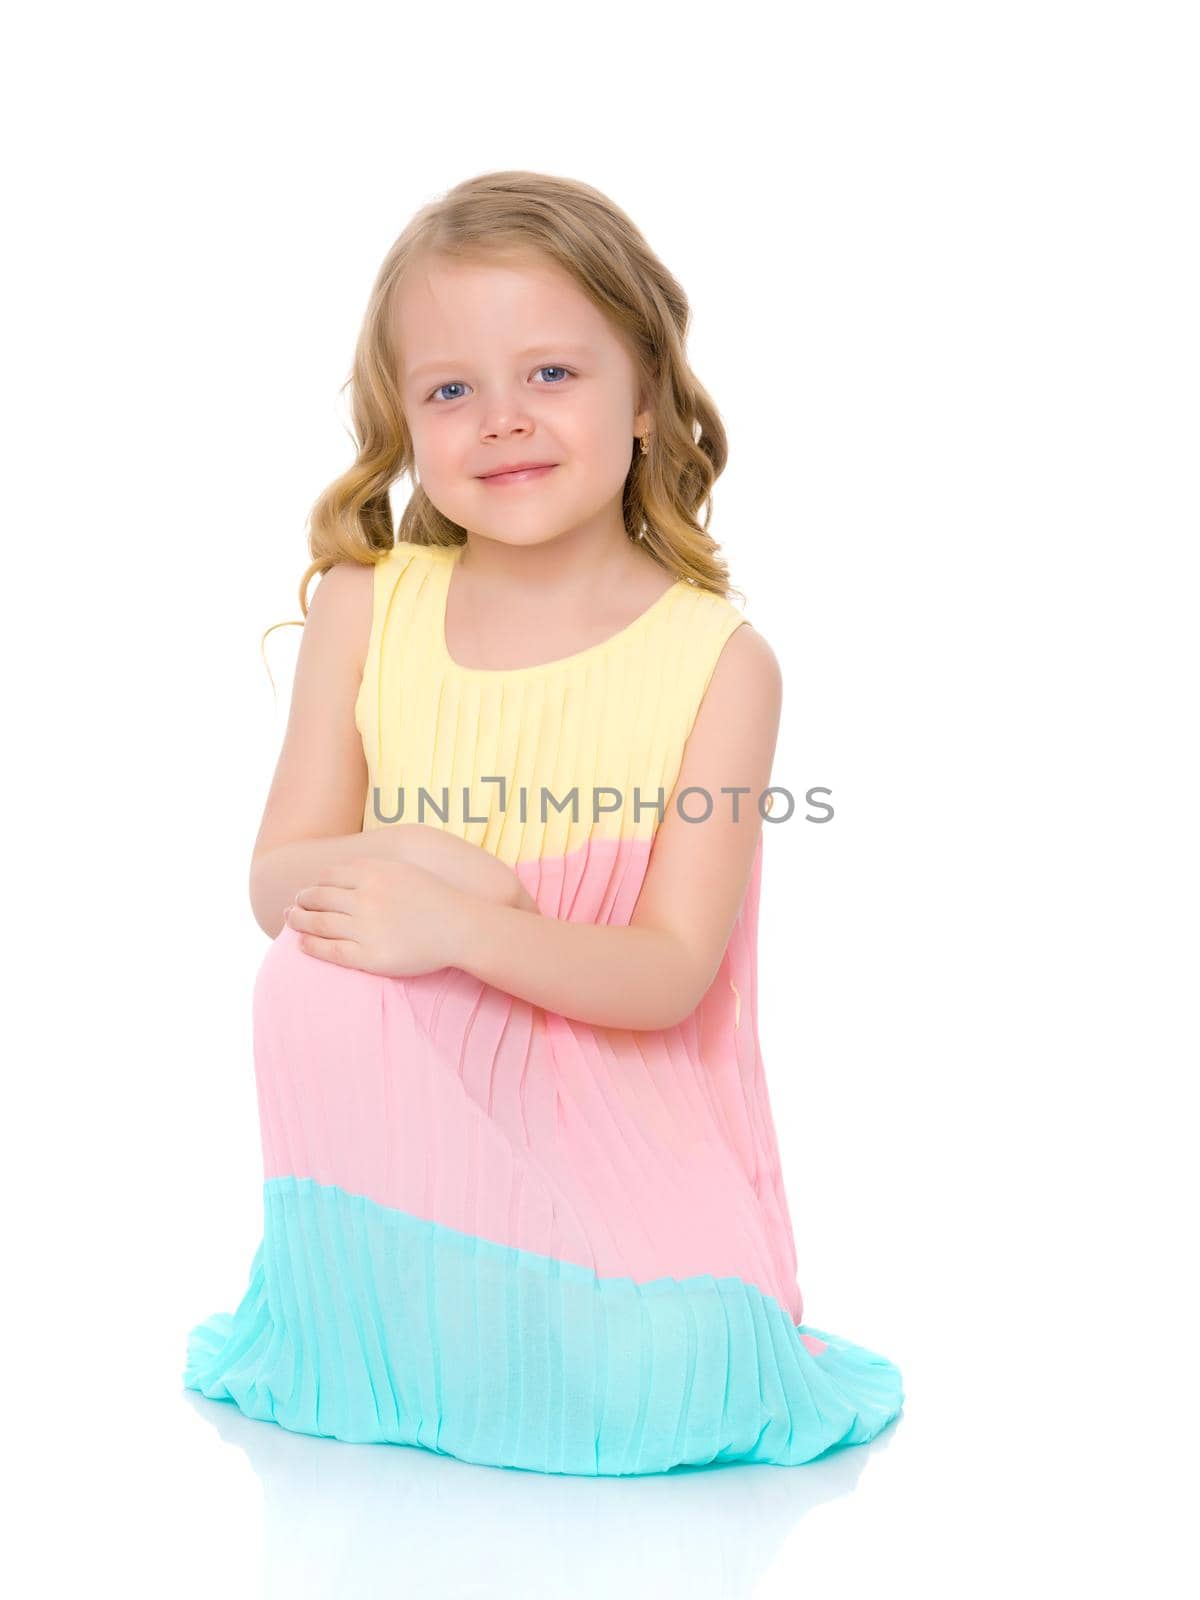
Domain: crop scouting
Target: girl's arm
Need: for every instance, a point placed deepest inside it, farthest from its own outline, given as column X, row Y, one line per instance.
column 277, row 874
column 315, row 806
column 654, row 972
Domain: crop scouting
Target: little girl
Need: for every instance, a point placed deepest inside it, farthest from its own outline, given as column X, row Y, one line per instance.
column 523, row 1201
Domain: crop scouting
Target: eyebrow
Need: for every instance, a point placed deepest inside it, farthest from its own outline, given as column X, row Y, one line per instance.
column 566, row 346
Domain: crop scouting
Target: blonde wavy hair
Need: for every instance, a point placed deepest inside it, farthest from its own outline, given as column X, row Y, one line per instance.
column 514, row 214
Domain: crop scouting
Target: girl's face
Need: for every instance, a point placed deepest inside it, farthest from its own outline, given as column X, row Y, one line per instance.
column 506, row 364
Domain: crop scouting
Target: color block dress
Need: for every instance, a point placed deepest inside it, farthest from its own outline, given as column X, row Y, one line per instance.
column 498, row 1232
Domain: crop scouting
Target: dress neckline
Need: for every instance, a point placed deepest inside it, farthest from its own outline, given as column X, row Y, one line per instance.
column 449, row 555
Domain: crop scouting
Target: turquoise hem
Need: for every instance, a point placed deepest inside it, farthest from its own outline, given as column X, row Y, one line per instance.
column 368, row 1325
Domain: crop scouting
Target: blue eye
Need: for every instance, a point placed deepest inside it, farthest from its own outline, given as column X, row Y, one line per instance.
column 454, row 384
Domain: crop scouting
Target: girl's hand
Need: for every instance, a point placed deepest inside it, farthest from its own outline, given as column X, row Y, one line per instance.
column 380, row 915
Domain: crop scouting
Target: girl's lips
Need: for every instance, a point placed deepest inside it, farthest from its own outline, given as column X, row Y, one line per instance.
column 524, row 476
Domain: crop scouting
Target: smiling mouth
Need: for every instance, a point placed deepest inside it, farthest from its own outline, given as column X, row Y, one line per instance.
column 521, row 475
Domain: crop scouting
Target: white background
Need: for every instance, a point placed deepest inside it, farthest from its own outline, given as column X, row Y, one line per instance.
column 943, row 262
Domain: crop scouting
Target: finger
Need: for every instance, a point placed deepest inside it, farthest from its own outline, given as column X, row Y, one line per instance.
column 339, row 952
column 325, row 924
column 324, row 897
column 342, row 874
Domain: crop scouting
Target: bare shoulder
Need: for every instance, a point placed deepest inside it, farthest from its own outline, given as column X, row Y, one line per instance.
column 339, row 611
column 747, row 669
column 346, row 586
column 739, row 715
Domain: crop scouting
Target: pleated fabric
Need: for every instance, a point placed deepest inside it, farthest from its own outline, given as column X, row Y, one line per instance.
column 491, row 1230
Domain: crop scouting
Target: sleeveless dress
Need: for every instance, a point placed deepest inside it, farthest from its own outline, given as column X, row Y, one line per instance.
column 491, row 1230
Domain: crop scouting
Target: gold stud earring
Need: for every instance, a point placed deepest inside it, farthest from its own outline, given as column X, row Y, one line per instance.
column 645, row 439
